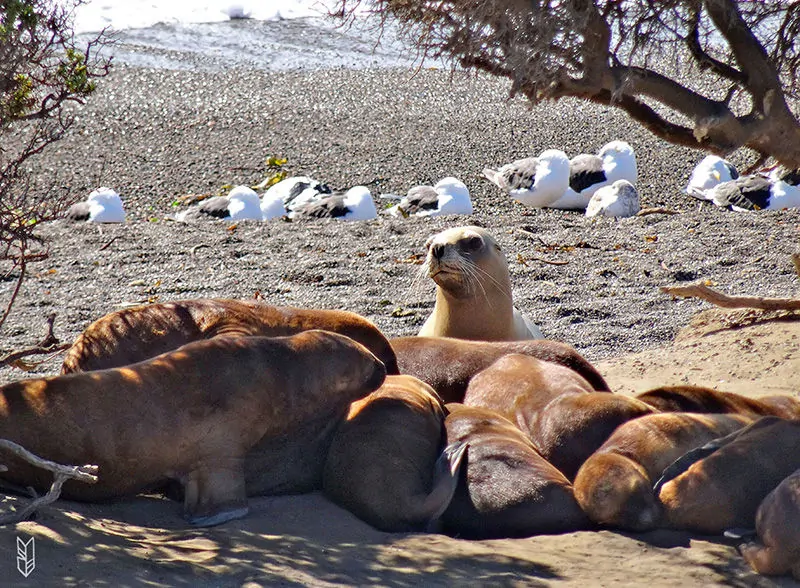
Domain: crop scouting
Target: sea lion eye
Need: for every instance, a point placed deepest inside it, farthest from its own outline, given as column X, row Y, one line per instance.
column 472, row 244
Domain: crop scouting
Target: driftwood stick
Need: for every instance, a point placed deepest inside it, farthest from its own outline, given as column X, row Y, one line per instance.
column 62, row 473
column 796, row 262
column 48, row 344
column 656, row 210
column 725, row 301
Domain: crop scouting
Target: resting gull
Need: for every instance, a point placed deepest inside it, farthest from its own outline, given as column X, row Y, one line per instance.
column 241, row 203
column 712, row 170
column 449, row 196
column 588, row 173
column 620, row 199
column 354, row 205
column 755, row 192
column 535, row 181
column 102, row 206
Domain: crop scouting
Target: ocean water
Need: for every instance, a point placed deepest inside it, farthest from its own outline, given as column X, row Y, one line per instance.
column 267, row 34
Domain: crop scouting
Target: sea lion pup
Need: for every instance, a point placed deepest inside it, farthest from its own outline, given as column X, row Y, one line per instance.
column 448, row 365
column 134, row 334
column 778, row 526
column 615, row 485
column 473, row 289
column 190, row 415
column 506, row 489
column 382, row 463
column 571, row 427
column 702, row 399
column 724, row 489
column 518, row 386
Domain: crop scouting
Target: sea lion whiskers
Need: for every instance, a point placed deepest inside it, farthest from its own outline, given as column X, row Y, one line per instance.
column 469, row 269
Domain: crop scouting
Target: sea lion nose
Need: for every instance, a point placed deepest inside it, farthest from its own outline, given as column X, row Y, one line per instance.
column 437, row 251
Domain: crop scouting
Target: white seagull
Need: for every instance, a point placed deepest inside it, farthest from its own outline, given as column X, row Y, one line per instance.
column 241, row 203
column 354, row 205
column 272, row 206
column 535, row 181
column 588, row 173
column 296, row 191
column 102, row 206
column 620, row 199
column 449, row 196
column 711, row 171
column 755, row 192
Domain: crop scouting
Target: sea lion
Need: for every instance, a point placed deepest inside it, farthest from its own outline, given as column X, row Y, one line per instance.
column 571, row 427
column 190, row 414
column 725, row 488
column 518, row 385
column 141, row 332
column 382, row 463
column 506, row 489
column 615, row 485
column 707, row 400
column 778, row 526
column 448, row 364
column 473, row 289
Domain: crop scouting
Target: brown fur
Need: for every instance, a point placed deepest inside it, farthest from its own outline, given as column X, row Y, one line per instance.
column 448, row 364
column 708, row 400
column 724, row 489
column 778, row 525
column 381, row 462
column 191, row 414
column 518, row 385
column 506, row 489
column 571, row 427
column 135, row 334
column 615, row 485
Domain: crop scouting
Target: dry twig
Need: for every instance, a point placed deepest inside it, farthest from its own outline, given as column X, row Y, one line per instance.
column 62, row 473
column 725, row 301
column 49, row 344
column 657, row 210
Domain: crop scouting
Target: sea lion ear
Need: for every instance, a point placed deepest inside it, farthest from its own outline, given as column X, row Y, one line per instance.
column 428, row 243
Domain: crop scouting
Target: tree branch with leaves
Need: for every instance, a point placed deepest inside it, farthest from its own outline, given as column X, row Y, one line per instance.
column 44, row 72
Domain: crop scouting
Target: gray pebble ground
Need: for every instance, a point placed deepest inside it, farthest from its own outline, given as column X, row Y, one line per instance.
column 156, row 134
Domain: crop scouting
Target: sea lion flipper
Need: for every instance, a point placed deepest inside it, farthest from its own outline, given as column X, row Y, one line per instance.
column 684, row 462
column 445, row 481
column 214, row 494
column 740, row 534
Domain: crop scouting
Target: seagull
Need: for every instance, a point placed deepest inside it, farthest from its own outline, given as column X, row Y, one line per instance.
column 620, row 199
column 755, row 192
column 296, row 191
column 272, row 206
column 535, row 181
column 102, row 206
column 241, row 203
column 355, row 204
column 588, row 173
column 712, row 170
column 449, row 196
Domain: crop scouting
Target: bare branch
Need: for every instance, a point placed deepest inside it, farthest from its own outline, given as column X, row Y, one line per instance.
column 62, row 473
column 723, row 300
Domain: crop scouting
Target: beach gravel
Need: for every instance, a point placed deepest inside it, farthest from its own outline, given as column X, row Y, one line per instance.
column 155, row 135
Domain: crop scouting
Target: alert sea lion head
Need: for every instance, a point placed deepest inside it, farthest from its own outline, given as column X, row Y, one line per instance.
column 466, row 262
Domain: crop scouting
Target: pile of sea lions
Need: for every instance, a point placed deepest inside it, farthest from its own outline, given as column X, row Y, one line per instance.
column 487, row 434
